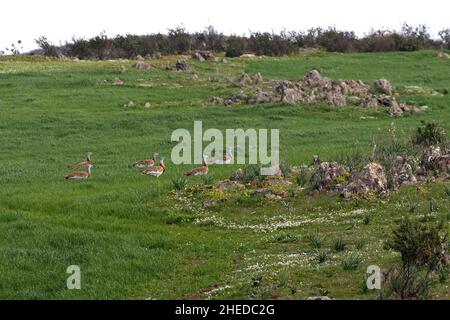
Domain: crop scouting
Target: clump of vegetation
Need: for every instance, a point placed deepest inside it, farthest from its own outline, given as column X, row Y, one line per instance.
column 429, row 134
column 316, row 240
column 351, row 262
column 303, row 177
column 321, row 257
column 423, row 250
column 339, row 244
column 419, row 244
column 285, row 237
column 179, row 183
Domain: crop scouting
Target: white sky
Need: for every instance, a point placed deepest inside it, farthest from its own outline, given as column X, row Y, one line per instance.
column 60, row 20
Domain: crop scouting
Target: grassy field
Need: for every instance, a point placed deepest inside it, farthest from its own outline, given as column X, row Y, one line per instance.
column 133, row 240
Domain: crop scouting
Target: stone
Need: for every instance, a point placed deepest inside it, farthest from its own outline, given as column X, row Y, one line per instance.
column 315, row 79
column 371, row 179
column 261, row 97
column 327, row 174
column 204, row 56
column 237, row 175
column 194, row 77
column 237, row 97
column 147, row 105
column 336, row 99
column 257, row 78
column 245, row 80
column 122, row 69
column 141, row 65
column 383, row 86
column 180, row 65
column 443, row 55
column 117, row 82
column 216, row 100
column 104, row 82
column 129, row 104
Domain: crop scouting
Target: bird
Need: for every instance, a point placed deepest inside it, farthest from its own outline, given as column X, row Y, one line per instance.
column 227, row 157
column 200, row 170
column 155, row 171
column 80, row 175
column 146, row 163
column 82, row 164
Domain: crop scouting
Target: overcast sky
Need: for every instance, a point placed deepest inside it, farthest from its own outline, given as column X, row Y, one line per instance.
column 60, row 20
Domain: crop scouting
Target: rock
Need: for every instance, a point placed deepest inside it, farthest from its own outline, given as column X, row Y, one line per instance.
column 315, row 79
column 117, row 82
column 104, row 82
column 270, row 194
column 319, row 298
column 194, row 77
column 316, row 160
column 209, row 203
column 257, row 78
column 395, row 109
column 122, row 69
column 289, row 92
column 238, row 97
column 443, row 55
column 354, row 88
column 129, row 104
column 403, row 173
column 327, row 174
column 226, row 185
column 391, row 103
column 336, row 99
column 436, row 161
column 180, row 65
column 141, row 65
column 216, row 100
column 383, row 86
column 371, row 179
column 147, row 105
column 262, row 97
column 237, row 175
column 245, row 80
column 139, row 58
column 204, row 56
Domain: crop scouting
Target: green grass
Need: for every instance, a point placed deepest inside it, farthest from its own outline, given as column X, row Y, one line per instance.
column 131, row 239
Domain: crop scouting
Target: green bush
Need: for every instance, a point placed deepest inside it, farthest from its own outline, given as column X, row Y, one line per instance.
column 429, row 134
column 339, row 244
column 419, row 244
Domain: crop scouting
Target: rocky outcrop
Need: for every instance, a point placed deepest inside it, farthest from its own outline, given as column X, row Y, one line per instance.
column 238, row 97
column 383, row 86
column 141, row 65
column 180, row 66
column 204, row 56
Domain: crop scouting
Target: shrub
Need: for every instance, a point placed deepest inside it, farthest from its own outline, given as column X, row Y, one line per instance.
column 419, row 244
column 235, row 46
column 179, row 183
column 321, row 257
column 316, row 240
column 429, row 134
column 302, row 177
column 49, row 49
column 351, row 262
column 339, row 244
column 284, row 237
column 179, row 40
column 409, row 284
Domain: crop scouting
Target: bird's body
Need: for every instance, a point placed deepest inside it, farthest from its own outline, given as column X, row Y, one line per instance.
column 155, row 171
column 200, row 170
column 227, row 157
column 83, row 164
column 80, row 175
column 146, row 163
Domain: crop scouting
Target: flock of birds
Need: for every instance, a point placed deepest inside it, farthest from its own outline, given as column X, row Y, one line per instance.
column 150, row 166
